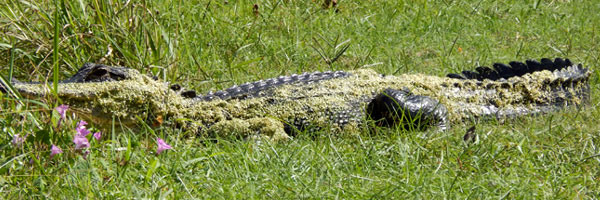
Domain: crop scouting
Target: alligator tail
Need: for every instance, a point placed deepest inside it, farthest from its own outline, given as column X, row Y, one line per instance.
column 567, row 86
column 567, row 76
column 571, row 83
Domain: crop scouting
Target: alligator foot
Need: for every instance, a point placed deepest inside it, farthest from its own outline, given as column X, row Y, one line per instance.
column 400, row 107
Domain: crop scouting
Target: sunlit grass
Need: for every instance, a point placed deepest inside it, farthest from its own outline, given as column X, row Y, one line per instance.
column 210, row 45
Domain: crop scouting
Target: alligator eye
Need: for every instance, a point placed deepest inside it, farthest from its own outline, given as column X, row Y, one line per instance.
column 103, row 73
column 97, row 74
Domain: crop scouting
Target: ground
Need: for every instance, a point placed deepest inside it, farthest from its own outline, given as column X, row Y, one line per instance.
column 210, row 45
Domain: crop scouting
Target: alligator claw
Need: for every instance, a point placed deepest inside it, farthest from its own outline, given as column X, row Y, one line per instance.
column 399, row 107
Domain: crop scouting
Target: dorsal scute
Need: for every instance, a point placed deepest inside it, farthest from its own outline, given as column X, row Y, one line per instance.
column 255, row 89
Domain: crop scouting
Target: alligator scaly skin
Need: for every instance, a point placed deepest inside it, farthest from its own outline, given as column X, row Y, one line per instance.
column 339, row 101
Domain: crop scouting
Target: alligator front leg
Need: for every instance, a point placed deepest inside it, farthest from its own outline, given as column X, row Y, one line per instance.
column 244, row 128
column 400, row 107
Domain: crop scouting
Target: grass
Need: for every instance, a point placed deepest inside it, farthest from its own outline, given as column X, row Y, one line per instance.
column 210, row 45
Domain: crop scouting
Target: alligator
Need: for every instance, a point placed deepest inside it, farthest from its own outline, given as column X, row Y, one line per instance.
column 340, row 101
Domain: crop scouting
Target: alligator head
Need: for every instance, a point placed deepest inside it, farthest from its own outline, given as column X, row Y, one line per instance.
column 131, row 93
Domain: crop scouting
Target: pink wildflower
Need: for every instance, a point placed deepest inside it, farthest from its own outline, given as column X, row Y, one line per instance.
column 18, row 140
column 55, row 150
column 97, row 135
column 81, row 124
column 81, row 141
column 162, row 145
column 62, row 111
column 81, row 130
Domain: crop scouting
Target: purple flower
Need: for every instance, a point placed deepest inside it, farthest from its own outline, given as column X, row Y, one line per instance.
column 81, row 130
column 18, row 140
column 162, row 145
column 81, row 141
column 97, row 135
column 55, row 150
column 81, row 124
column 62, row 110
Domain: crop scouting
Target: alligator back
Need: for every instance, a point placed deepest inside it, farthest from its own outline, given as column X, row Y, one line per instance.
column 340, row 102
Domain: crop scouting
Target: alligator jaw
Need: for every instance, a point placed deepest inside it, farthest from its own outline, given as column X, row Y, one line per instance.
column 88, row 73
column 102, row 93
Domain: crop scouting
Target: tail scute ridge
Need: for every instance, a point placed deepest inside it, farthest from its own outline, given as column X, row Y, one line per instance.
column 513, row 69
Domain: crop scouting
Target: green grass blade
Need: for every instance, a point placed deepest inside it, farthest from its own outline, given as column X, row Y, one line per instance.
column 11, row 65
column 55, row 48
column 6, row 85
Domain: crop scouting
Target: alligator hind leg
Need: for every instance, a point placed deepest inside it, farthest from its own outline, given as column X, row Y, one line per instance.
column 399, row 107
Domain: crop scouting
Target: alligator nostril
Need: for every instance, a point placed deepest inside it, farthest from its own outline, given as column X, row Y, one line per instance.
column 175, row 87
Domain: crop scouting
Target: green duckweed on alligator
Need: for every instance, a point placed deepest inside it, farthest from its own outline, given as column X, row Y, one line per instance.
column 340, row 101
